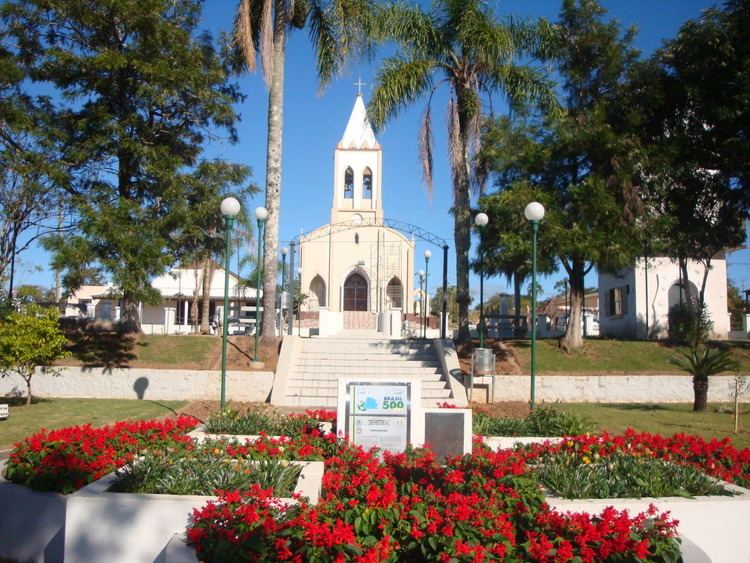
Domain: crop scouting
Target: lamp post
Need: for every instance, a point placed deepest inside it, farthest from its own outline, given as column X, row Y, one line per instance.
column 284, row 252
column 260, row 215
column 480, row 221
column 230, row 207
column 534, row 212
column 427, row 255
column 421, row 301
column 299, row 305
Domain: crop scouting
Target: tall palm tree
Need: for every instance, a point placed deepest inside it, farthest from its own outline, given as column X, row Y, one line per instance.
column 462, row 44
column 338, row 29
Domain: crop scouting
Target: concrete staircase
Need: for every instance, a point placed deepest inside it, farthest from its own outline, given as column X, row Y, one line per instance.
column 317, row 363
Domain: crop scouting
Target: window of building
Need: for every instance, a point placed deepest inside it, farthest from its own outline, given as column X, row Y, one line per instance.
column 617, row 301
column 349, row 183
column 367, row 184
column 356, row 238
column 180, row 318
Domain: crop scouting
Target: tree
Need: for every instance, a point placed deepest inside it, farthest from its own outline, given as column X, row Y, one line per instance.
column 702, row 362
column 28, row 198
column 579, row 166
column 30, row 338
column 203, row 240
column 436, row 303
column 338, row 29
column 462, row 44
column 137, row 94
column 506, row 241
column 691, row 105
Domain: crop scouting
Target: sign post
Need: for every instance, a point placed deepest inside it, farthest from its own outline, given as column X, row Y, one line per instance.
column 382, row 413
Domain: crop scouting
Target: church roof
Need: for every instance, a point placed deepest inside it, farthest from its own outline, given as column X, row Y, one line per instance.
column 358, row 133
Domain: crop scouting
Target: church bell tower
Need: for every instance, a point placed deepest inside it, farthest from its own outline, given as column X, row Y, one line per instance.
column 357, row 171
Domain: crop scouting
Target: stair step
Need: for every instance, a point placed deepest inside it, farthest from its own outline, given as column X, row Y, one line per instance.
column 333, row 383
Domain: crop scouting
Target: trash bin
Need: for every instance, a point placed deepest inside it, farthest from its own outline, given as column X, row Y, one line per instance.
column 483, row 363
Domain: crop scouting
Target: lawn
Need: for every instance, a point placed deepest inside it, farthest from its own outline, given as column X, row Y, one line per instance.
column 144, row 351
column 612, row 356
column 59, row 413
column 666, row 419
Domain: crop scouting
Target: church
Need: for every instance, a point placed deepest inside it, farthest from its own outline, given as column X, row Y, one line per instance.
column 356, row 272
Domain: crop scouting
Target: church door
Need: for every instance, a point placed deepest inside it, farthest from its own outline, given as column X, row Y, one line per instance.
column 355, row 293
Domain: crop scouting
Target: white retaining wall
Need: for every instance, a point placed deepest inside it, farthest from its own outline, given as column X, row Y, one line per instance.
column 609, row 388
column 150, row 384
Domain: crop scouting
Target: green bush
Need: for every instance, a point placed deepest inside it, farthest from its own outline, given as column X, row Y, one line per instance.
column 541, row 422
column 622, row 476
column 201, row 472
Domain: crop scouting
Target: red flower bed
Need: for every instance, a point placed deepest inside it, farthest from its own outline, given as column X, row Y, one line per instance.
column 717, row 458
column 67, row 459
column 406, row 507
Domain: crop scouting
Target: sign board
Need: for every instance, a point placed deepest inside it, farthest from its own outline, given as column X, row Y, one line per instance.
column 4, row 411
column 382, row 413
column 448, row 432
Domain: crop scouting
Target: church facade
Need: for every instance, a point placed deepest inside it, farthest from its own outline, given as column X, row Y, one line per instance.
column 356, row 272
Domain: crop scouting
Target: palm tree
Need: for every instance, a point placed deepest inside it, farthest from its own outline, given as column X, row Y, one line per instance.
column 462, row 44
column 338, row 29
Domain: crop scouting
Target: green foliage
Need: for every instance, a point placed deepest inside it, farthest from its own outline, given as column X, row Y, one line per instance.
column 229, row 421
column 203, row 471
column 703, row 361
column 463, row 44
column 574, row 164
column 689, row 324
column 30, row 338
column 137, row 91
column 572, row 476
column 541, row 422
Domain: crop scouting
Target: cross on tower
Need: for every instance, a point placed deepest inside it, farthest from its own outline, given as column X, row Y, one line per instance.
column 359, row 85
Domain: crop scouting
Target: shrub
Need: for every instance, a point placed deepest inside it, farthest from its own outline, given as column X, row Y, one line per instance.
column 70, row 458
column 201, row 471
column 541, row 422
column 229, row 421
column 622, row 476
column 689, row 323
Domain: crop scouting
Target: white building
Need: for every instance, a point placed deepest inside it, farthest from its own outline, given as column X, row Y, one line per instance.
column 357, row 272
column 179, row 288
column 636, row 302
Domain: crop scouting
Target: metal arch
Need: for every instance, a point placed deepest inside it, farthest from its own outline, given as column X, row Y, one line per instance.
column 402, row 226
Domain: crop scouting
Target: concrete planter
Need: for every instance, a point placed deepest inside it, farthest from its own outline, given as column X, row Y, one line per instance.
column 129, row 527
column 32, row 524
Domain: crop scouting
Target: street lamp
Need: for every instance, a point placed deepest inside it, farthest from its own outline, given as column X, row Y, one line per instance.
column 534, row 212
column 481, row 221
column 260, row 214
column 299, row 304
column 427, row 255
column 284, row 252
column 421, row 275
column 230, row 207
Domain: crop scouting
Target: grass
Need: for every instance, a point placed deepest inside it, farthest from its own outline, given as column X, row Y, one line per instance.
column 143, row 351
column 666, row 419
column 59, row 413
column 613, row 357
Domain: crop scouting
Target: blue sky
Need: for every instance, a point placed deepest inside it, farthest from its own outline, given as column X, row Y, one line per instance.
column 315, row 121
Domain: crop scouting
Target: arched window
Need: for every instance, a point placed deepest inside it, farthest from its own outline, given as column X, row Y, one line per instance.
column 356, row 238
column 395, row 292
column 317, row 293
column 349, row 183
column 367, row 184
column 355, row 293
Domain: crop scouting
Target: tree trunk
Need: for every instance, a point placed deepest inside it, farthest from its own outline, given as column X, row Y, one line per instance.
column 462, row 222
column 573, row 337
column 687, row 290
column 208, row 275
column 28, row 389
column 130, row 321
column 700, row 393
column 273, row 174
column 194, row 302
column 518, row 331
